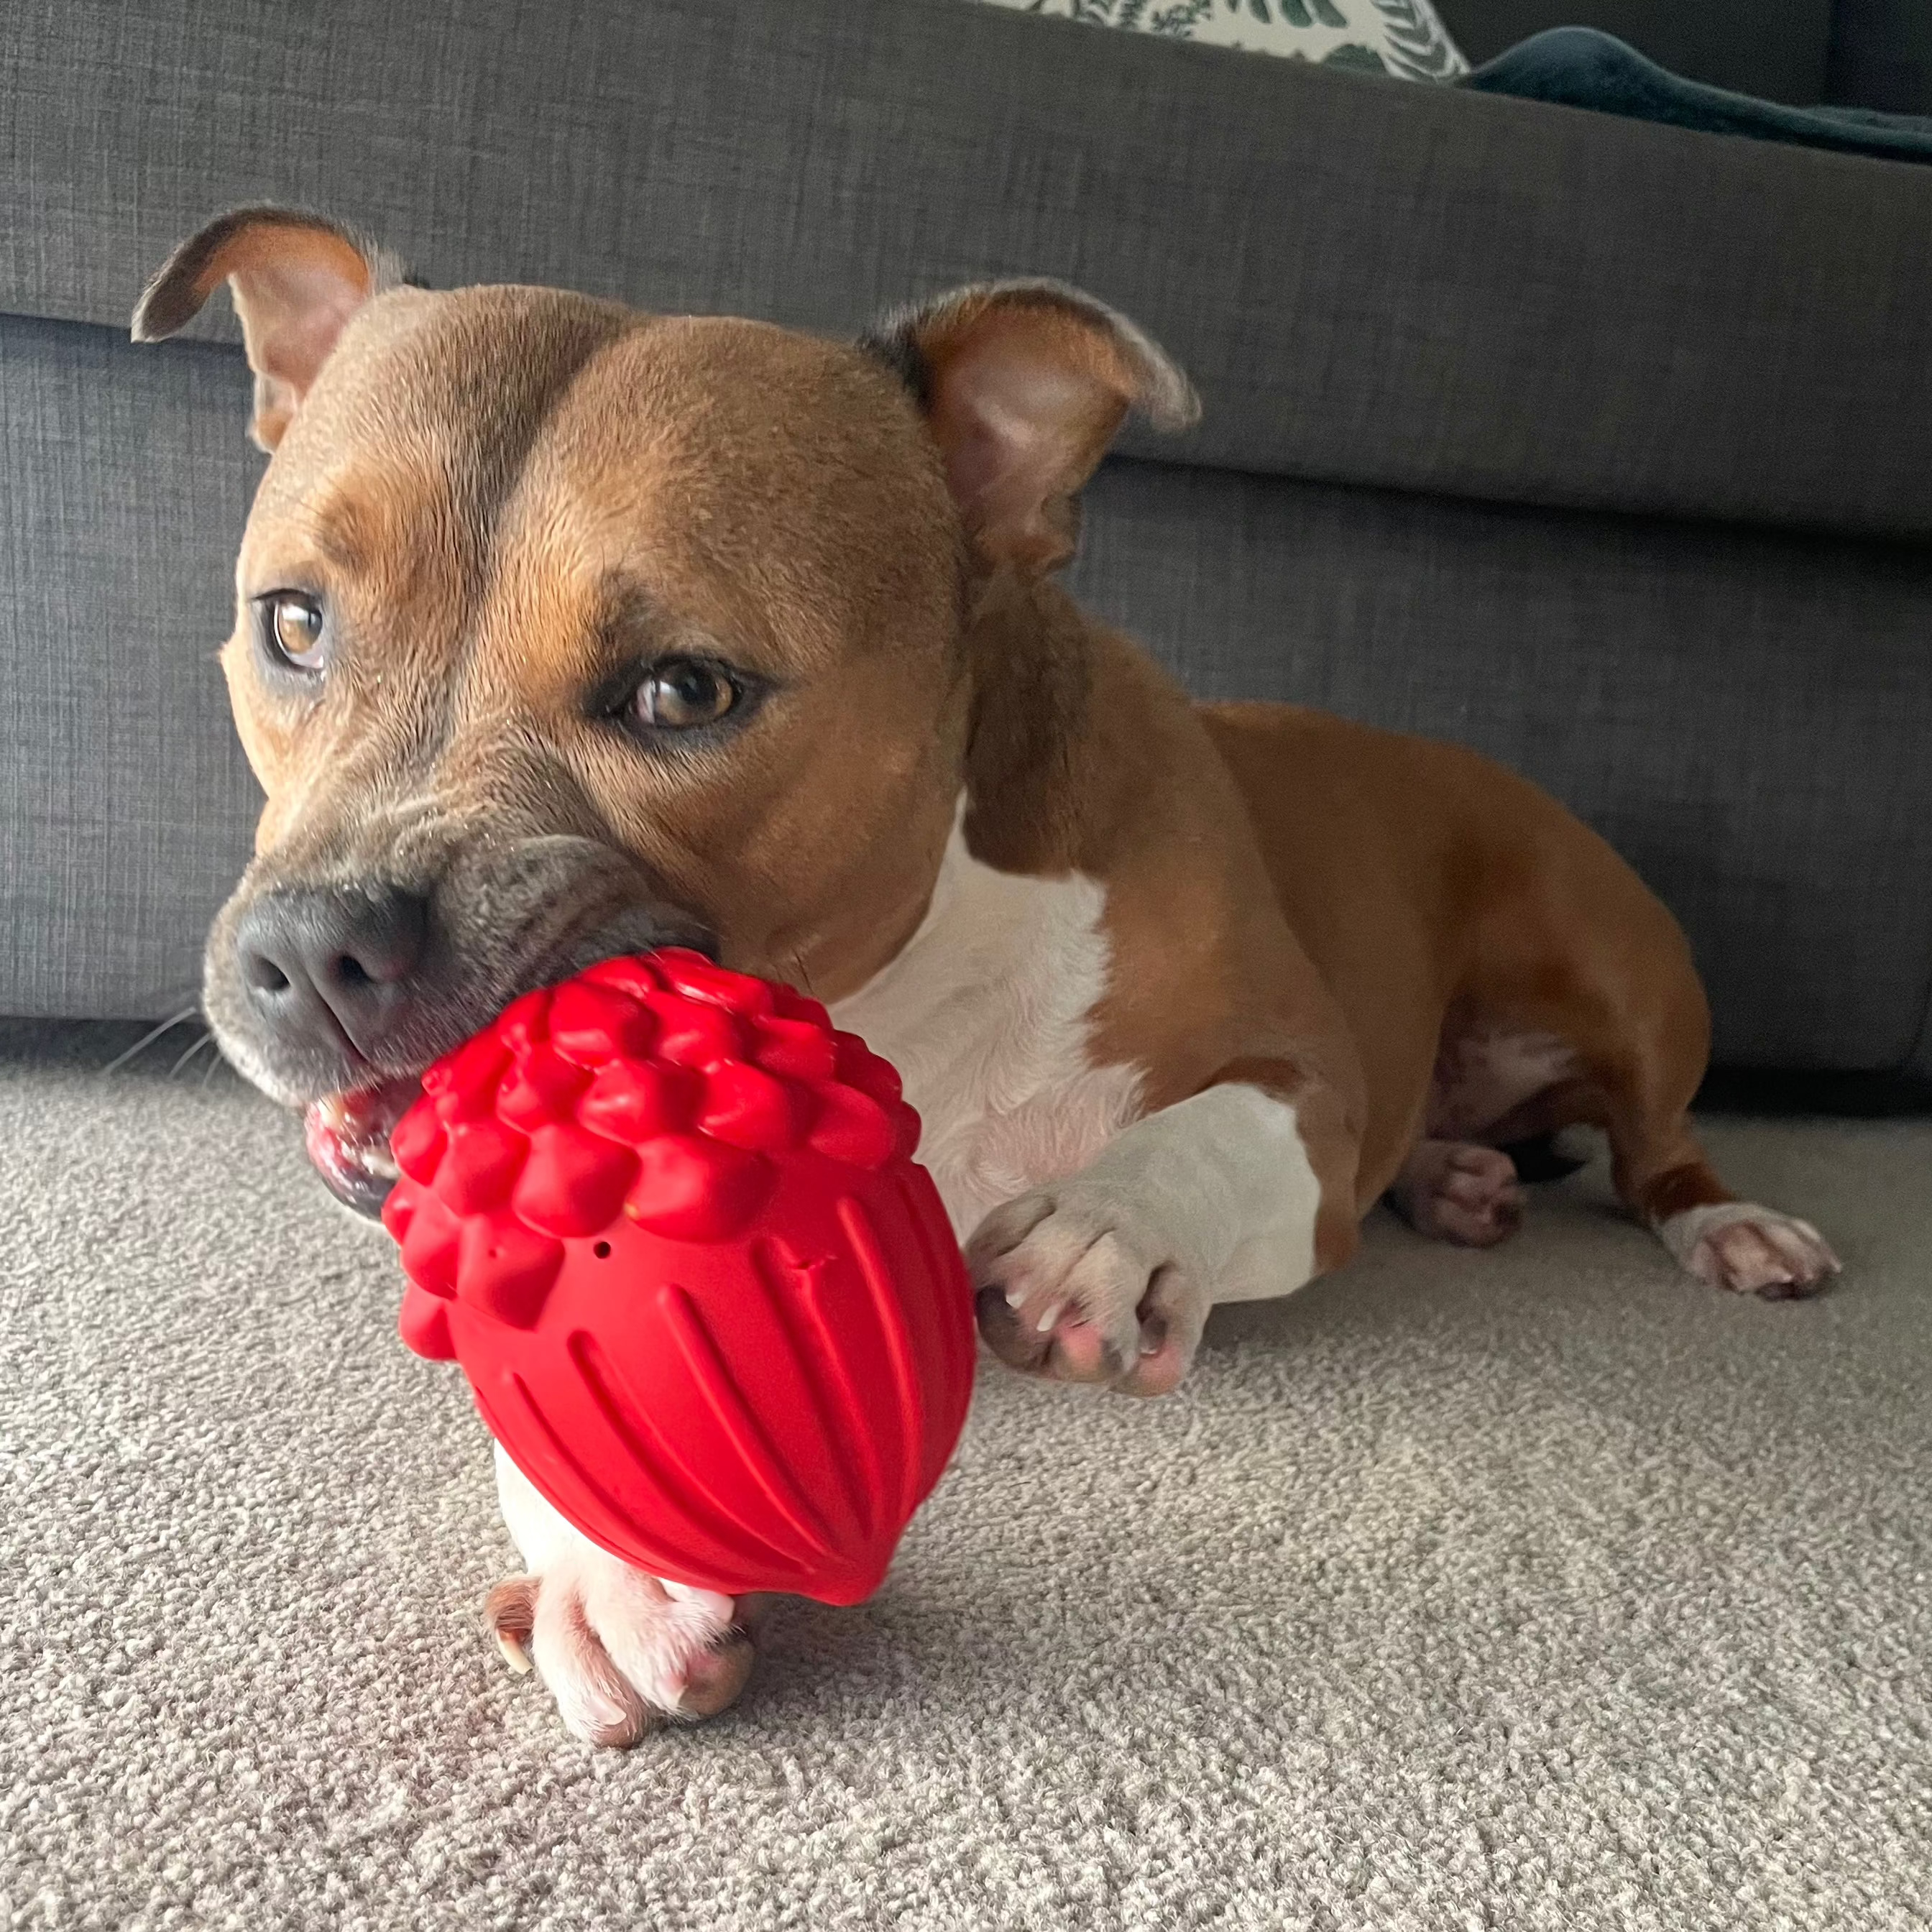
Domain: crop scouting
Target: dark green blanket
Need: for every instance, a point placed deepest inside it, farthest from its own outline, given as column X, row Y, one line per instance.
column 1577, row 67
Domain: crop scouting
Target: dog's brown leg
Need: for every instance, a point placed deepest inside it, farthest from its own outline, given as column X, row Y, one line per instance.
column 1613, row 978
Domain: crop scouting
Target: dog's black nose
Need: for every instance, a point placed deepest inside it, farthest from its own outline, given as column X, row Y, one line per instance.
column 322, row 964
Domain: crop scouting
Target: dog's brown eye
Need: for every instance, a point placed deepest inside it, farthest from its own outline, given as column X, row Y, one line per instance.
column 293, row 622
column 681, row 693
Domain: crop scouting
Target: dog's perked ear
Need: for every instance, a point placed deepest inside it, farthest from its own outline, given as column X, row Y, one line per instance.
column 1024, row 384
column 296, row 280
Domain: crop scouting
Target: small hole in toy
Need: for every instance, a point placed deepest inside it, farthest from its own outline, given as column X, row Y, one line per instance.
column 602, row 1251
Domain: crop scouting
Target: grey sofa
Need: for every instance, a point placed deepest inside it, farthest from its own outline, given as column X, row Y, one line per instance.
column 1604, row 447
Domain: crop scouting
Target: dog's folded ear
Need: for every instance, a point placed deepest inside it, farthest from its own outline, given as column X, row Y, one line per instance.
column 1024, row 384
column 295, row 279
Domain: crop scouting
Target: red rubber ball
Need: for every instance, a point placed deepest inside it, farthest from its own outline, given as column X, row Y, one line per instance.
column 668, row 1220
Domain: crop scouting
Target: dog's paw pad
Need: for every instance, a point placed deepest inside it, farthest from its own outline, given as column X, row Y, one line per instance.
column 1456, row 1191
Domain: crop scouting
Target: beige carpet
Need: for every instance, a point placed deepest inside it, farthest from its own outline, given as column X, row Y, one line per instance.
column 1538, row 1588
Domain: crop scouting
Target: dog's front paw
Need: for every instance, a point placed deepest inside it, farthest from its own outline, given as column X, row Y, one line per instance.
column 621, row 1652
column 1073, row 1283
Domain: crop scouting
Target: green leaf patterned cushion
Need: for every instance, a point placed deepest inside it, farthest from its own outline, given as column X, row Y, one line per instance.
column 1403, row 37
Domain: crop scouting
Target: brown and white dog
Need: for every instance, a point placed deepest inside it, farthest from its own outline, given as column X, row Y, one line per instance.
column 562, row 630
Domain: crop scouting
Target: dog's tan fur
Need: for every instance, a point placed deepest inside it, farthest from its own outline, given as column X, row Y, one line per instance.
column 505, row 496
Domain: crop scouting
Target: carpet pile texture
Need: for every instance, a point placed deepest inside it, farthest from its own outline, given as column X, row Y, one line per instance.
column 1534, row 1588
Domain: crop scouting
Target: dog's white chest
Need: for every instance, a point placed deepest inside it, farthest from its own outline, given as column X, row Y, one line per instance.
column 987, row 1013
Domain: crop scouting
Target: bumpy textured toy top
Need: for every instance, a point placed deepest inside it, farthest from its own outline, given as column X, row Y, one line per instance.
column 667, row 1218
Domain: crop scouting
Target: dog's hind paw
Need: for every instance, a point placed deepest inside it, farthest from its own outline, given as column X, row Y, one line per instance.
column 1458, row 1191
column 1749, row 1250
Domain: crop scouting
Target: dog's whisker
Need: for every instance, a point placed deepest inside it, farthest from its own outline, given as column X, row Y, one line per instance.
column 206, row 1039
column 149, row 1038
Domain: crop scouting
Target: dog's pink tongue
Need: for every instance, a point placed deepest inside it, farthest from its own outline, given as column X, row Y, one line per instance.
column 348, row 1136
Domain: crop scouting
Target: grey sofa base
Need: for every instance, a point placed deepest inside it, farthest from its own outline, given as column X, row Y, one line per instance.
column 125, row 803
column 1741, row 713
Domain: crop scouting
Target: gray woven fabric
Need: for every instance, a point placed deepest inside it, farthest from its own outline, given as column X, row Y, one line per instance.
column 1539, row 1588
column 1375, row 284
column 1776, row 49
column 125, row 804
column 1372, row 282
column 1744, row 717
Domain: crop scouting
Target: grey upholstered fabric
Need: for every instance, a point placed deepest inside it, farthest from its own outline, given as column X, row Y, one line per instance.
column 125, row 802
column 1773, row 48
column 1376, row 283
column 1373, row 282
column 1745, row 717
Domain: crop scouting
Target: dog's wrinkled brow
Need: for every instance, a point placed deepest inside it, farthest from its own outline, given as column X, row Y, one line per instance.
column 467, row 386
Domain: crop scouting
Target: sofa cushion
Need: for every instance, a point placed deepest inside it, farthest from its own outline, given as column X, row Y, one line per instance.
column 1370, row 282
column 1401, row 37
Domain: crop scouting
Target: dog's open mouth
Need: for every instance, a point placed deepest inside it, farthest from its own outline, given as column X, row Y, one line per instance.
column 348, row 1136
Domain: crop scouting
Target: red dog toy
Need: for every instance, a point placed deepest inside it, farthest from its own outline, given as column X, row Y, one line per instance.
column 668, row 1221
